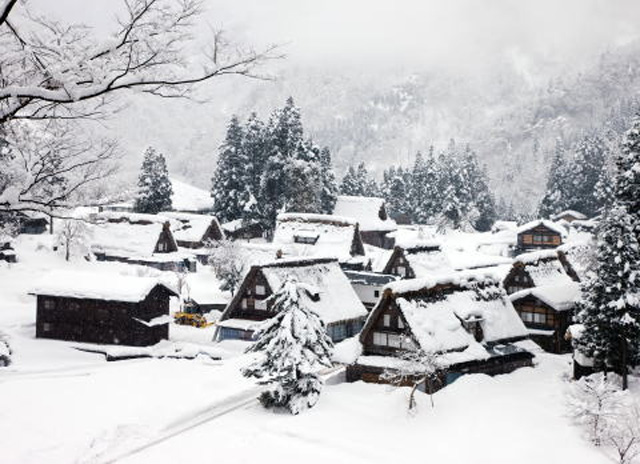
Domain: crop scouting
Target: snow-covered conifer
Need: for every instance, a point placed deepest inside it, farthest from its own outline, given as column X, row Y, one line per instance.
column 154, row 186
column 292, row 347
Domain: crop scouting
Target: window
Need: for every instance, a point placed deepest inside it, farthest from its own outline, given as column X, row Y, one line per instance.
column 401, row 271
column 306, row 239
column 386, row 320
column 379, row 339
column 394, row 341
column 161, row 246
column 260, row 290
column 261, row 304
column 46, row 327
column 376, row 293
column 400, row 323
column 243, row 304
column 49, row 304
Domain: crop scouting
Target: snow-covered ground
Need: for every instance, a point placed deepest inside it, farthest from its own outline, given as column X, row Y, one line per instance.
column 62, row 405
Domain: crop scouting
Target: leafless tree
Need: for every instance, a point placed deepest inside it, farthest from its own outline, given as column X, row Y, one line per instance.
column 72, row 235
column 595, row 402
column 53, row 71
column 416, row 367
column 623, row 434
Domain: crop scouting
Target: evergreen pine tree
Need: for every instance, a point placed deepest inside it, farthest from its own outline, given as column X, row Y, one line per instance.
column 329, row 192
column 585, row 170
column 255, row 148
column 610, row 310
column 154, row 186
column 556, row 195
column 293, row 345
column 230, row 183
column 349, row 184
column 627, row 188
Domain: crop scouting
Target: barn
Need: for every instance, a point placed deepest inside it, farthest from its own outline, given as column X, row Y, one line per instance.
column 371, row 215
column 539, row 235
column 335, row 301
column 465, row 318
column 104, row 309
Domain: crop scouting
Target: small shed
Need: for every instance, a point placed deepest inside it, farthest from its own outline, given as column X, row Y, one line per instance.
column 104, row 309
column 7, row 253
column 371, row 215
column 464, row 318
column 335, row 301
column 569, row 215
column 540, row 234
column 547, row 312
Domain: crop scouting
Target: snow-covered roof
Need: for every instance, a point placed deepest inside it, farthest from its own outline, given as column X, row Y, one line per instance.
column 469, row 259
column 568, row 212
column 366, row 211
column 125, row 239
column 192, row 227
column 337, row 301
column 97, row 286
column 325, row 235
column 560, row 297
column 544, row 267
column 189, row 198
column 580, row 256
column 436, row 317
column 542, row 222
column 204, row 288
column 427, row 259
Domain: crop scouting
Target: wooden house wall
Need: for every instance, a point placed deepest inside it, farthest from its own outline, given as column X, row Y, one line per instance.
column 247, row 303
column 378, row 239
column 556, row 321
column 517, row 279
column 387, row 333
column 105, row 322
column 539, row 237
column 166, row 243
column 399, row 265
column 357, row 247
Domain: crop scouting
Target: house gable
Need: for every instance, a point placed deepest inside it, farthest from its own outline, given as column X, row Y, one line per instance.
column 166, row 243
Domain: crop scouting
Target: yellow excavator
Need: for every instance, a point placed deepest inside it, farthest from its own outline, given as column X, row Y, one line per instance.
column 191, row 315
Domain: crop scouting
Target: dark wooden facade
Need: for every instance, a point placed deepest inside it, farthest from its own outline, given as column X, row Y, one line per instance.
column 7, row 252
column 250, row 303
column 537, row 238
column 101, row 321
column 399, row 265
column 378, row 238
column 548, row 326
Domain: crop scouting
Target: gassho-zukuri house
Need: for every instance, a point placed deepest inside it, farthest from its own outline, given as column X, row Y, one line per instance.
column 371, row 215
column 320, row 236
column 540, row 235
column 103, row 308
column 335, row 301
column 466, row 318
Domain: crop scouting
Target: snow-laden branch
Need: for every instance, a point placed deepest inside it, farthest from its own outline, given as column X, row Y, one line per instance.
column 5, row 9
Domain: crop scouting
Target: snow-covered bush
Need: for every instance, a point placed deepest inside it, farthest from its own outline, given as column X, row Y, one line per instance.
column 293, row 346
column 229, row 262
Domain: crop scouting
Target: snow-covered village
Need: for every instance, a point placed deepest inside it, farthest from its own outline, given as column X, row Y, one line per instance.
column 288, row 231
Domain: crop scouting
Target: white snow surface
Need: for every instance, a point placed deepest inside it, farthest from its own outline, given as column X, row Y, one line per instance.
column 60, row 405
column 186, row 197
column 97, row 286
column 192, row 226
column 366, row 212
column 125, row 239
column 576, row 214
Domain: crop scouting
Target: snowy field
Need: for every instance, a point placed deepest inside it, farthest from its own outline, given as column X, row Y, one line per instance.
column 61, row 405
